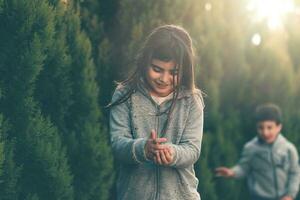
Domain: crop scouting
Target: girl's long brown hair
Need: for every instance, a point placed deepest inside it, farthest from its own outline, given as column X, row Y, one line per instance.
column 166, row 43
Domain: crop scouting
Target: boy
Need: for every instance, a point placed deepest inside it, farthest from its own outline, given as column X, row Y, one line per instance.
column 269, row 161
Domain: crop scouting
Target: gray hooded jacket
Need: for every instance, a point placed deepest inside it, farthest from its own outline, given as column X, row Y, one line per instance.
column 272, row 170
column 130, row 126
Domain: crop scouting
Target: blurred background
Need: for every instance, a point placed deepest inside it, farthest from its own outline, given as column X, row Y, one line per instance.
column 58, row 61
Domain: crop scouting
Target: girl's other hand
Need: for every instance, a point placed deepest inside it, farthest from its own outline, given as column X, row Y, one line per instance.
column 164, row 157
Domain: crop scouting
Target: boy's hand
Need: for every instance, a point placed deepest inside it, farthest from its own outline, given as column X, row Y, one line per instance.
column 164, row 157
column 153, row 145
column 224, row 171
column 287, row 198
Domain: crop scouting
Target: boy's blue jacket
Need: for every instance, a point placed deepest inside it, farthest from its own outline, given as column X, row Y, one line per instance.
column 272, row 170
column 130, row 126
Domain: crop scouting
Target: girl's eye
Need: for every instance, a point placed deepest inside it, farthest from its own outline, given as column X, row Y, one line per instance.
column 156, row 69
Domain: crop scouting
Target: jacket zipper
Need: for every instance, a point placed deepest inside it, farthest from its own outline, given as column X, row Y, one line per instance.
column 157, row 167
column 274, row 173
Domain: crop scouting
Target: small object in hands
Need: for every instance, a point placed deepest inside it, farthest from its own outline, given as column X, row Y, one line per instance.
column 154, row 141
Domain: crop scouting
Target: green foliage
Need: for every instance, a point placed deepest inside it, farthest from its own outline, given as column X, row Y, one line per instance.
column 37, row 149
column 85, row 118
column 205, row 174
column 58, row 60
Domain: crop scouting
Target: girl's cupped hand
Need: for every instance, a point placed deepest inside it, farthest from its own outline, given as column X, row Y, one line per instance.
column 161, row 154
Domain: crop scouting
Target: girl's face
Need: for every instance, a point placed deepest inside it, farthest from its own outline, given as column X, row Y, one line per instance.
column 160, row 77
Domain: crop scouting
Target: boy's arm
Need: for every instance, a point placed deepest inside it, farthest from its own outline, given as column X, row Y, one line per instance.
column 242, row 168
column 124, row 147
column 188, row 150
column 294, row 173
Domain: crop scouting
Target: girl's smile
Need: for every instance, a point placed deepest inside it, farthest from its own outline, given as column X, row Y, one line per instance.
column 161, row 86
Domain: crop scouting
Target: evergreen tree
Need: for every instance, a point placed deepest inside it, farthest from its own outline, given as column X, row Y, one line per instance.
column 9, row 173
column 98, row 19
column 68, row 94
column 90, row 155
column 38, row 150
column 206, row 185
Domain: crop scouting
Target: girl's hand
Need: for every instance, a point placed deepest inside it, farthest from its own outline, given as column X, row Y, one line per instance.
column 164, row 157
column 153, row 145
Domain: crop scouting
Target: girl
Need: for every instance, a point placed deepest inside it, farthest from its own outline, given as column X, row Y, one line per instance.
column 156, row 121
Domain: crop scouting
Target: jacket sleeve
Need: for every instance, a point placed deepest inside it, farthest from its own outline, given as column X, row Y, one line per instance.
column 188, row 150
column 294, row 173
column 124, row 147
column 243, row 167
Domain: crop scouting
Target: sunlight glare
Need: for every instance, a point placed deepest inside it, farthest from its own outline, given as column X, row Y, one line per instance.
column 273, row 11
column 208, row 6
column 256, row 39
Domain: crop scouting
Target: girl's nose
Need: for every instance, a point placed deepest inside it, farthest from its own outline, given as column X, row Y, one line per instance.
column 165, row 78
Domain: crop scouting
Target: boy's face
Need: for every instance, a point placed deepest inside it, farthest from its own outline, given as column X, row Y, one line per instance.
column 268, row 130
column 160, row 77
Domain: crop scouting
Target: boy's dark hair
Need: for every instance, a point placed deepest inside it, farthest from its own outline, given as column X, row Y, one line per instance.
column 267, row 112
